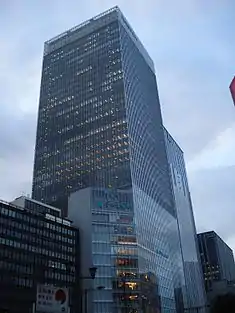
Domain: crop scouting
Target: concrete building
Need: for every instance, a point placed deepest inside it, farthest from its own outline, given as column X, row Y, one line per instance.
column 35, row 248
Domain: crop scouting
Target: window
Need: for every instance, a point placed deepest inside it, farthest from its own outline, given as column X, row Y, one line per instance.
column 100, row 217
column 126, row 262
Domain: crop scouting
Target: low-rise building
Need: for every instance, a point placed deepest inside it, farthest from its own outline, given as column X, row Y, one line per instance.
column 36, row 248
column 108, row 236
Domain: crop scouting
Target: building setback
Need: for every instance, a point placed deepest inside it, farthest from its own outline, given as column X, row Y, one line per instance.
column 217, row 259
column 195, row 296
column 35, row 248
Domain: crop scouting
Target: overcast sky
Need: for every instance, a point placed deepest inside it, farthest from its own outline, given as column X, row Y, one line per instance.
column 193, row 47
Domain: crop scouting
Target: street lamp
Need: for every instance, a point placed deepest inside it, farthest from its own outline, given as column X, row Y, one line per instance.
column 92, row 271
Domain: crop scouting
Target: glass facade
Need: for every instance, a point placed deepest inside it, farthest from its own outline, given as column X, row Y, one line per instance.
column 82, row 129
column 114, row 251
column 194, row 293
column 156, row 224
column 100, row 124
column 138, row 276
column 108, row 215
column 34, row 248
column 217, row 259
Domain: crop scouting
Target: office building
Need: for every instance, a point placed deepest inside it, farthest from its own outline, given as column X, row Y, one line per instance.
column 232, row 89
column 135, row 280
column 216, row 258
column 100, row 126
column 99, row 119
column 195, row 296
column 35, row 248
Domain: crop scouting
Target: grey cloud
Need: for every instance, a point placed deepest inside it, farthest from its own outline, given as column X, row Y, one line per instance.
column 193, row 82
column 20, row 82
column 16, row 176
column 213, row 198
column 17, row 136
column 195, row 110
column 18, row 100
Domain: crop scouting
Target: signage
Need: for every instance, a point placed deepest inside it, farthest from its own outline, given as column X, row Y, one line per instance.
column 51, row 299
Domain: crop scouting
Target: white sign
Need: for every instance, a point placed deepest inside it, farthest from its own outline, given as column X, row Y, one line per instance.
column 51, row 299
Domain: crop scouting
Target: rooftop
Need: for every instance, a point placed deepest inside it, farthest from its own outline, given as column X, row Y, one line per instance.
column 94, row 24
column 81, row 25
column 46, row 215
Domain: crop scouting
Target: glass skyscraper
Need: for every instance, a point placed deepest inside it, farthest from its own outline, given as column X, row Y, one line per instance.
column 82, row 133
column 99, row 119
column 194, row 295
column 100, row 125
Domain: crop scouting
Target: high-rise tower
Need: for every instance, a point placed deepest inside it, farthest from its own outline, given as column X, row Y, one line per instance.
column 100, row 125
column 99, row 119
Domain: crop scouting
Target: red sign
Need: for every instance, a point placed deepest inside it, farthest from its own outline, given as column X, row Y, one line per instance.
column 232, row 89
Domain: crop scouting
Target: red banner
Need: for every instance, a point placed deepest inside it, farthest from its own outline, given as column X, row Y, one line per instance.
column 232, row 89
